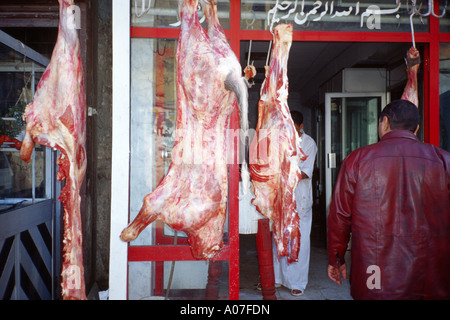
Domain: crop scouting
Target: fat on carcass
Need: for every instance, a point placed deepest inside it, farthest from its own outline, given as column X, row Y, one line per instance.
column 234, row 82
column 410, row 91
column 57, row 119
column 275, row 151
column 192, row 197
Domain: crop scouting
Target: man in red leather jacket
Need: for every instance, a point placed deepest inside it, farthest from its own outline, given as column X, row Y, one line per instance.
column 393, row 197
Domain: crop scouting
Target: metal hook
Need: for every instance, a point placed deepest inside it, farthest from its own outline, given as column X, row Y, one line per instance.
column 443, row 10
column 412, row 29
column 249, row 52
column 274, row 10
column 430, row 9
column 414, row 11
column 143, row 10
column 269, row 52
column 157, row 49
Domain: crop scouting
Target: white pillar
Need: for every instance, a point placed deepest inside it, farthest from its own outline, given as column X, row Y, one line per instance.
column 120, row 149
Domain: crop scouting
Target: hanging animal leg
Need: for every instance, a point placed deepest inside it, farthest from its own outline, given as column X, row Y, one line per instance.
column 145, row 216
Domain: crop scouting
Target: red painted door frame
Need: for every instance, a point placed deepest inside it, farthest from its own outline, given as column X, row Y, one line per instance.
column 431, row 39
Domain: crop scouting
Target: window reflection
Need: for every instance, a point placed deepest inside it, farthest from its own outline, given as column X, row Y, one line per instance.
column 153, row 118
column 164, row 13
column 20, row 183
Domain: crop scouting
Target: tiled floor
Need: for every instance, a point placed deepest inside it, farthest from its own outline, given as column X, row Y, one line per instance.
column 319, row 286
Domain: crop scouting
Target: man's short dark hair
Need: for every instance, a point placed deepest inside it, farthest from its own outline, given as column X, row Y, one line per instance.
column 402, row 115
column 297, row 117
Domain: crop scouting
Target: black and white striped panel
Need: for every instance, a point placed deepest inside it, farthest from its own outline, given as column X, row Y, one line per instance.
column 26, row 265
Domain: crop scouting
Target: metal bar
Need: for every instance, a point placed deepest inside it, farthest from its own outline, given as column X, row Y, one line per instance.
column 33, row 273
column 169, row 253
column 33, row 156
column 14, row 222
column 18, row 46
column 145, row 32
column 431, row 87
column 41, row 247
column 233, row 213
column 16, row 245
column 265, row 35
column 338, row 36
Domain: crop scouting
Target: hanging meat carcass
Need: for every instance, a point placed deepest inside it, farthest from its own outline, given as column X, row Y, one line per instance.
column 57, row 119
column 275, row 151
column 412, row 67
column 192, row 197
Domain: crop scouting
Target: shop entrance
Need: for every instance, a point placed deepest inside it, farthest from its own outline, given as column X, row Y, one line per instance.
column 351, row 122
column 340, row 87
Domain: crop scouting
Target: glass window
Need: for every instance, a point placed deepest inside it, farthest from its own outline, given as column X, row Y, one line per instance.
column 153, row 114
column 152, row 280
column 20, row 183
column 153, row 118
column 366, row 15
column 444, row 96
column 164, row 13
column 444, row 21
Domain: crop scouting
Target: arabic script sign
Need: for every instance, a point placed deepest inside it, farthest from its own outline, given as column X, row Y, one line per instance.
column 320, row 9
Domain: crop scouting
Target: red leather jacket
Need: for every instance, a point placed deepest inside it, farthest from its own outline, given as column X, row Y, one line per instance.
column 393, row 197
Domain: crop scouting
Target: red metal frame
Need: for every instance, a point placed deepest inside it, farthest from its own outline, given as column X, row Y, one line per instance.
column 230, row 252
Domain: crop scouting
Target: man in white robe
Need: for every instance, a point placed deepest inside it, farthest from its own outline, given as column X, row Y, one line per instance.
column 295, row 275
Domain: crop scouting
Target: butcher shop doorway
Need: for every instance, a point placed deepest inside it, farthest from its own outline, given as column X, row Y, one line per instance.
column 340, row 87
column 325, row 58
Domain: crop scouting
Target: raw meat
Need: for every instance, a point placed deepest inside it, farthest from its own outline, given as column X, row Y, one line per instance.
column 13, row 142
column 412, row 67
column 275, row 151
column 233, row 82
column 57, row 119
column 192, row 197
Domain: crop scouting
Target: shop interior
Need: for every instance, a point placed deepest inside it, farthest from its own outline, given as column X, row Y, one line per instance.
column 316, row 70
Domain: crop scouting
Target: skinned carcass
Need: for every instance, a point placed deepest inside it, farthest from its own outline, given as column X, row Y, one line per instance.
column 275, row 151
column 57, row 119
column 192, row 197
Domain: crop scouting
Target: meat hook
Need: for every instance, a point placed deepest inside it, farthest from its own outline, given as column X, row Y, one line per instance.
column 157, row 49
column 143, row 10
column 430, row 9
column 412, row 28
column 249, row 52
column 268, row 53
column 413, row 12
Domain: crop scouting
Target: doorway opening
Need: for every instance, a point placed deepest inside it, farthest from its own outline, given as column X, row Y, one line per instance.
column 340, row 87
